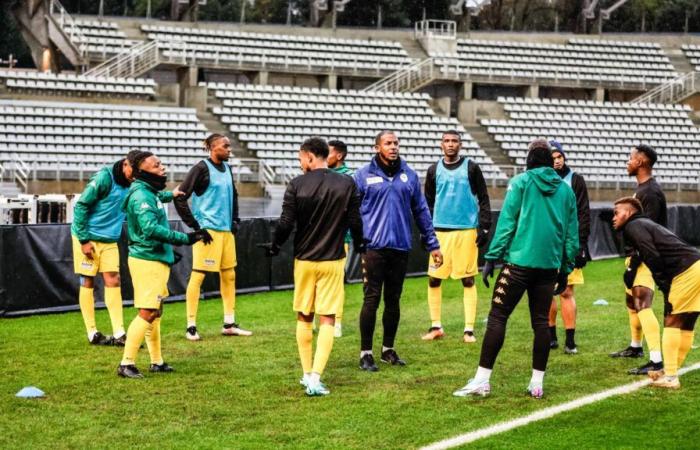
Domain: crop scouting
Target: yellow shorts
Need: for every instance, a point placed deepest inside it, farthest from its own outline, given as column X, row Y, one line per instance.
column 460, row 255
column 575, row 277
column 318, row 286
column 150, row 281
column 105, row 258
column 643, row 277
column 685, row 291
column 219, row 255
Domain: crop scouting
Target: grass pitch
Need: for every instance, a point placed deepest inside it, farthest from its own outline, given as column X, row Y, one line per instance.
column 244, row 392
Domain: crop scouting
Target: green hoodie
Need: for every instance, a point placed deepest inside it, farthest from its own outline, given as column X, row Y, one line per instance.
column 538, row 223
column 150, row 235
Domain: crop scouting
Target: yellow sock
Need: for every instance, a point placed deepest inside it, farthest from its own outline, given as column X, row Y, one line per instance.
column 86, row 298
column 192, row 296
column 153, row 342
column 305, row 336
column 113, row 300
column 134, row 337
column 435, row 305
column 650, row 328
column 635, row 326
column 685, row 346
column 469, row 307
column 228, row 293
column 672, row 342
column 324, row 345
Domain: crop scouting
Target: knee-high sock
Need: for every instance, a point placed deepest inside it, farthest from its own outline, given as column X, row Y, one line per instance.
column 650, row 328
column 324, row 345
column 635, row 326
column 305, row 337
column 153, row 342
column 192, row 296
column 134, row 336
column 228, row 293
column 672, row 342
column 86, row 298
column 435, row 305
column 684, row 348
column 113, row 300
column 469, row 307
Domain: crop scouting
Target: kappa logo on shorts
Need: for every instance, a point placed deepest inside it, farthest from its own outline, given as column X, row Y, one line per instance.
column 209, row 262
column 500, row 290
column 498, row 300
column 86, row 265
column 434, row 267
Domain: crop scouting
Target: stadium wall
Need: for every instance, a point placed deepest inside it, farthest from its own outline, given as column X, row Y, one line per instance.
column 36, row 263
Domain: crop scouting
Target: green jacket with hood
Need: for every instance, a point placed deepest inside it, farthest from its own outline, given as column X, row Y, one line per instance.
column 150, row 236
column 538, row 224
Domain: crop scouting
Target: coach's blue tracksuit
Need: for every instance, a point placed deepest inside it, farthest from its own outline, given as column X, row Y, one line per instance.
column 387, row 207
column 389, row 203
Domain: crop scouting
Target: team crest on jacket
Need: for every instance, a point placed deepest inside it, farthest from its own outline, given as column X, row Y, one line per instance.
column 404, row 178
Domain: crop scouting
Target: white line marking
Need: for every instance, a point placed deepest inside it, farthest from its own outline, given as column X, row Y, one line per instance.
column 544, row 414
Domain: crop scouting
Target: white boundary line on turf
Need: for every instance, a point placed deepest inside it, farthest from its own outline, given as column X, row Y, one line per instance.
column 543, row 414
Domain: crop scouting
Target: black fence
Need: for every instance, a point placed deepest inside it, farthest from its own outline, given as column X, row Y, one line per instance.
column 36, row 262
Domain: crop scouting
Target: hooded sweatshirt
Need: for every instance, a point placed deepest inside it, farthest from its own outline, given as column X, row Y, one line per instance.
column 537, row 227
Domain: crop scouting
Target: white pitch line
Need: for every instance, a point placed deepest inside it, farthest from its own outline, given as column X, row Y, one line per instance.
column 543, row 414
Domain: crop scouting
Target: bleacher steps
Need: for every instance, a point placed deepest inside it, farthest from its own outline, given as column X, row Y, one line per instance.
column 679, row 60
column 489, row 145
column 8, row 189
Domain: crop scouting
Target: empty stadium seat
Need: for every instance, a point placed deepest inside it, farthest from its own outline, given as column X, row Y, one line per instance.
column 273, row 121
column 73, row 84
column 75, row 137
column 692, row 52
column 580, row 60
column 597, row 137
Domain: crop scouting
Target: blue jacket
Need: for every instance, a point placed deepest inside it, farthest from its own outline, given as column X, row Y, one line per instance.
column 387, row 207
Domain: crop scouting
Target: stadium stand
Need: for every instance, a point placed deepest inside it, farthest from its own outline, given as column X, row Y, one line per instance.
column 692, row 52
column 272, row 120
column 234, row 47
column 578, row 60
column 80, row 137
column 103, row 38
column 598, row 137
column 47, row 83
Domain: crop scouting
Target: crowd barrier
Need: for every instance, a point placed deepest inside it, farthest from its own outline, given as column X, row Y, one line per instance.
column 36, row 262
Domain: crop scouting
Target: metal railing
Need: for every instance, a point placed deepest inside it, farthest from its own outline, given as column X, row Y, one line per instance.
column 131, row 63
column 672, row 91
column 407, row 79
column 20, row 172
column 435, row 29
column 75, row 36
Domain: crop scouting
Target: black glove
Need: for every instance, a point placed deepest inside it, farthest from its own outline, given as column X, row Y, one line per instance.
column 235, row 226
column 487, row 271
column 629, row 276
column 606, row 216
column 482, row 237
column 199, row 235
column 581, row 259
column 562, row 282
column 270, row 249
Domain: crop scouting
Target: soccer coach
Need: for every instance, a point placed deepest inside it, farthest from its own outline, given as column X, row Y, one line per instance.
column 390, row 192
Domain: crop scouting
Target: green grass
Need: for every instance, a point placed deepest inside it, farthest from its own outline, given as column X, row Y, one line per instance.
column 244, row 392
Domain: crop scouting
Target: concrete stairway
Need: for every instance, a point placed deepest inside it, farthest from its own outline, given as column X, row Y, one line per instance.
column 489, row 145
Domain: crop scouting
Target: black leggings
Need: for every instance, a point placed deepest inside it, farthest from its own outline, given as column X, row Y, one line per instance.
column 510, row 286
column 382, row 268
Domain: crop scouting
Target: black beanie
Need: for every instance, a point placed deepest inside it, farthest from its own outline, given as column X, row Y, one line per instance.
column 539, row 155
